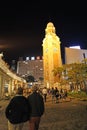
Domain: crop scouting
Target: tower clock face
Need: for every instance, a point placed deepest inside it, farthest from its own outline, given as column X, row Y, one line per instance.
column 55, row 49
column 54, row 44
column 46, row 50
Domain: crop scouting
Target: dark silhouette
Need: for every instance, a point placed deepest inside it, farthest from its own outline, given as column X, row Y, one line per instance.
column 37, row 108
column 17, row 112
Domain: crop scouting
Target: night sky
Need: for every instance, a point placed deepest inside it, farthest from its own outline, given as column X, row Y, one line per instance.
column 22, row 26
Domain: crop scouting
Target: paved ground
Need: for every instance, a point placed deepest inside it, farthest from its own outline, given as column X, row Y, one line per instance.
column 65, row 115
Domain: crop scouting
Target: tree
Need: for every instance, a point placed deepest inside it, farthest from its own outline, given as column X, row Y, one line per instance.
column 41, row 79
column 75, row 73
column 30, row 78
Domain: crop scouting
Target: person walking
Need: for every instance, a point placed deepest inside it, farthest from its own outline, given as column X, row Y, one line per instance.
column 44, row 92
column 56, row 94
column 17, row 111
column 36, row 102
column 53, row 94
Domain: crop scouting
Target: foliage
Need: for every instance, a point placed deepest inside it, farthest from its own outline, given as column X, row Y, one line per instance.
column 81, row 95
column 75, row 73
column 30, row 78
column 41, row 78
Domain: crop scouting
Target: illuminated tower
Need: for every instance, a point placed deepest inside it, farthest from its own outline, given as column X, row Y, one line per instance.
column 51, row 54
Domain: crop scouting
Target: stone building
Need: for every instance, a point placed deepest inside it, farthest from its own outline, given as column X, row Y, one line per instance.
column 73, row 55
column 9, row 81
column 51, row 54
column 31, row 67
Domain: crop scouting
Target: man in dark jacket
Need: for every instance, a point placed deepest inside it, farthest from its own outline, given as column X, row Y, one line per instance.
column 17, row 111
column 37, row 108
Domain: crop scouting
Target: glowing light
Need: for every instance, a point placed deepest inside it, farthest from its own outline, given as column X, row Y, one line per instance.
column 77, row 47
column 33, row 58
column 27, row 58
column 38, row 57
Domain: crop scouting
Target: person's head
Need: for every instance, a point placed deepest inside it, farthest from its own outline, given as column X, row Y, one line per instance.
column 20, row 91
column 34, row 88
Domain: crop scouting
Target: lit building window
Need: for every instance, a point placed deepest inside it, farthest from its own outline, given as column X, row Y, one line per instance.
column 38, row 57
column 77, row 47
column 32, row 58
column 27, row 58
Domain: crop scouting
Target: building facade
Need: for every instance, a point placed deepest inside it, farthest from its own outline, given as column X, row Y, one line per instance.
column 9, row 81
column 30, row 67
column 73, row 55
column 51, row 54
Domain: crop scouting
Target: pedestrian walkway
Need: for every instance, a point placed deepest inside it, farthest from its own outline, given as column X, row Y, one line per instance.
column 65, row 115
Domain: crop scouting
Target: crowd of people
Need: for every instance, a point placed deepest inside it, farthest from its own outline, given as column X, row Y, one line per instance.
column 58, row 94
column 30, row 106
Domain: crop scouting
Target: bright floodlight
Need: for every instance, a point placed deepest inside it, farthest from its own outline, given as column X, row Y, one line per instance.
column 27, row 58
column 32, row 58
column 77, row 47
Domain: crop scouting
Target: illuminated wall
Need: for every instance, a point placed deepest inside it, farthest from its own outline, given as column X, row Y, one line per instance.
column 74, row 55
column 32, row 67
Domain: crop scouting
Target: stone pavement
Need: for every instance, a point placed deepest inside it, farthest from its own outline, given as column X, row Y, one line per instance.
column 65, row 115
